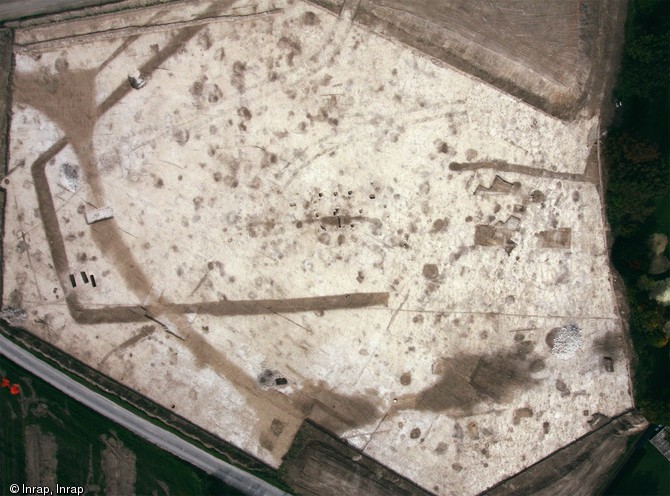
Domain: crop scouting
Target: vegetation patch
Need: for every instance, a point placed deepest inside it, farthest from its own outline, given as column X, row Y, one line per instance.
column 79, row 442
column 636, row 152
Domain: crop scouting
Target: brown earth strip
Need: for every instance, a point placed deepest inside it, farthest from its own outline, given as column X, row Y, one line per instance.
column 144, row 332
column 131, row 31
column 319, row 464
column 501, row 166
column 6, row 62
column 6, row 42
column 583, row 467
column 118, row 464
column 41, row 457
column 426, row 43
column 334, row 6
column 598, row 27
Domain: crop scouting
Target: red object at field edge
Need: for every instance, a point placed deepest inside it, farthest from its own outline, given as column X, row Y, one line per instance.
column 15, row 389
column 5, row 382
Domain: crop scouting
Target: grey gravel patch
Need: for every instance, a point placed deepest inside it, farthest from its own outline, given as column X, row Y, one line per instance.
column 69, row 177
column 567, row 340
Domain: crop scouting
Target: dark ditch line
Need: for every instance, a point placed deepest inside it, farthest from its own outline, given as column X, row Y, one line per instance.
column 501, row 166
column 139, row 313
column 349, row 466
column 122, row 313
column 7, row 64
column 420, row 41
column 82, row 11
column 135, row 31
column 3, row 202
column 136, row 313
column 331, row 6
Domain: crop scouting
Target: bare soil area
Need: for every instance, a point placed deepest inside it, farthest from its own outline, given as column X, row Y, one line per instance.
column 41, row 458
column 118, row 465
column 583, row 467
column 305, row 220
column 318, row 464
column 554, row 55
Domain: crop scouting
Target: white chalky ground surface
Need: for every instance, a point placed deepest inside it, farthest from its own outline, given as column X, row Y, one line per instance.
column 294, row 155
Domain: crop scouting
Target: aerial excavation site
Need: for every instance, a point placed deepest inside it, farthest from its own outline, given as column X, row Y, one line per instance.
column 362, row 241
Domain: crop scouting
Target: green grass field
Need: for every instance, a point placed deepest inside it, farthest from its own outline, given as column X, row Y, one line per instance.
column 78, row 432
column 647, row 473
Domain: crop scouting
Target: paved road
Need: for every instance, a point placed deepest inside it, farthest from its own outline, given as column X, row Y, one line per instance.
column 15, row 9
column 232, row 476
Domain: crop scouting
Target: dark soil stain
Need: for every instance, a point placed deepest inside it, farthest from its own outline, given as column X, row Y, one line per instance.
column 22, row 247
column 537, row 196
column 309, row 18
column 324, row 238
column 609, row 344
column 244, row 113
column 196, row 89
column 181, row 136
column 204, row 40
column 406, row 379
column 340, row 221
column 293, row 48
column 16, row 299
column 430, row 271
column 439, row 225
column 214, row 94
column 469, row 380
column 442, row 147
column 562, row 388
column 335, row 411
column 237, row 79
column 521, row 413
column 551, row 337
column 277, row 427
column 260, row 227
